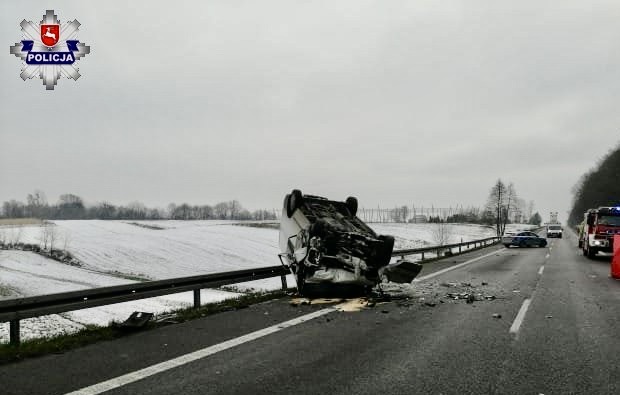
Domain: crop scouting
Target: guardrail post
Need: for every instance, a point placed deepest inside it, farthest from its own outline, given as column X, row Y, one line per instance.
column 422, row 256
column 284, row 284
column 196, row 298
column 460, row 245
column 14, row 332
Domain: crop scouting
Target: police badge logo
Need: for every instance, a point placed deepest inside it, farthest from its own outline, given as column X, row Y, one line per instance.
column 51, row 50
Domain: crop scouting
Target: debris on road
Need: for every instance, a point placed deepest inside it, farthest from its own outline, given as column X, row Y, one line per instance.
column 469, row 297
column 137, row 319
column 305, row 301
column 496, row 315
column 549, row 316
column 431, row 304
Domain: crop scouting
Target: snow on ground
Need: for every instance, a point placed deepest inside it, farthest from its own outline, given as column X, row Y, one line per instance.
column 422, row 235
column 24, row 273
column 120, row 252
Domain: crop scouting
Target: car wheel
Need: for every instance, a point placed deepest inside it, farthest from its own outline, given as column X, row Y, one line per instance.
column 542, row 243
column 294, row 202
column 522, row 244
column 385, row 253
column 591, row 253
column 506, row 245
column 352, row 205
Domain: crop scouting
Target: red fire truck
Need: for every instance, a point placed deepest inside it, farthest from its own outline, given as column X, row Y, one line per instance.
column 599, row 227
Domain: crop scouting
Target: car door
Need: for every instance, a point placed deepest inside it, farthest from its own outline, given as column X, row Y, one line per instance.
column 532, row 239
column 521, row 239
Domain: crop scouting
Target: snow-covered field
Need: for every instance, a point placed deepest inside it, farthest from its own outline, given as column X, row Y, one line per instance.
column 120, row 252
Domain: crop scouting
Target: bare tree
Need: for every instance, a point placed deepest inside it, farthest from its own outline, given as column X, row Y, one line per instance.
column 44, row 236
column 500, row 204
column 530, row 209
column 16, row 235
column 67, row 240
column 441, row 233
column 53, row 235
column 36, row 204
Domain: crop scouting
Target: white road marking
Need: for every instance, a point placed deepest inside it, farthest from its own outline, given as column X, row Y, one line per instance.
column 440, row 272
column 194, row 356
column 547, row 256
column 540, row 271
column 514, row 328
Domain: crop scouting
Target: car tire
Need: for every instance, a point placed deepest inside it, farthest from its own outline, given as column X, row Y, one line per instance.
column 295, row 201
column 506, row 245
column 352, row 205
column 385, row 253
column 591, row 253
column 522, row 244
column 543, row 243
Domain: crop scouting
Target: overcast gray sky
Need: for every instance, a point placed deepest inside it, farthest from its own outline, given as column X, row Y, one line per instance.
column 424, row 102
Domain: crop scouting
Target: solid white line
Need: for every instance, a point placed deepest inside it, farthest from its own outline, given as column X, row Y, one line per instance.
column 540, row 271
column 514, row 328
column 440, row 272
column 194, row 356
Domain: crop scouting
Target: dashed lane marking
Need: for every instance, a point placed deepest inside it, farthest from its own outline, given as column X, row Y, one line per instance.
column 540, row 271
column 547, row 256
column 514, row 328
column 194, row 356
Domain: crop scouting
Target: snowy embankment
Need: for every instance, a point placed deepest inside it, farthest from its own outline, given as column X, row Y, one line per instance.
column 121, row 252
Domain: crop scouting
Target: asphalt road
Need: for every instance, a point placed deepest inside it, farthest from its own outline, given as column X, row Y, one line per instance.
column 565, row 342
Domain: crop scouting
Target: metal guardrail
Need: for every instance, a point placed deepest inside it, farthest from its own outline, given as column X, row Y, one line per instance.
column 437, row 249
column 14, row 310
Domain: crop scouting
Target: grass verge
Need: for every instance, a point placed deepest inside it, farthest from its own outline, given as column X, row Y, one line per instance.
column 92, row 334
column 20, row 221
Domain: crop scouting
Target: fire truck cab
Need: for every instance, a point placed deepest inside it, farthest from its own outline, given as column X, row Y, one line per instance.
column 600, row 226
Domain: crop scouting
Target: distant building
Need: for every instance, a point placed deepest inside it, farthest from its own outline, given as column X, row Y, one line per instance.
column 419, row 219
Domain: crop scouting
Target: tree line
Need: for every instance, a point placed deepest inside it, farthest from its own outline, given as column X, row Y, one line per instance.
column 597, row 187
column 503, row 207
column 70, row 206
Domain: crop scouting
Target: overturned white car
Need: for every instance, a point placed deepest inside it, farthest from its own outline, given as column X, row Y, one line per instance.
column 323, row 242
